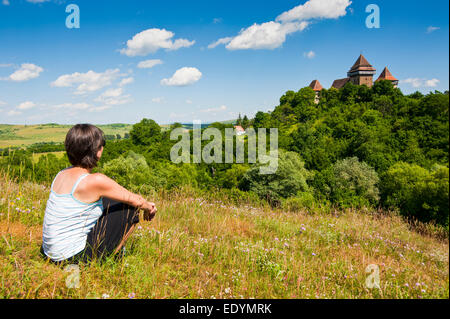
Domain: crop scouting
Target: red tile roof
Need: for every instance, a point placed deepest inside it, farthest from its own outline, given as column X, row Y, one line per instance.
column 316, row 86
column 386, row 75
column 239, row 128
column 362, row 64
column 340, row 83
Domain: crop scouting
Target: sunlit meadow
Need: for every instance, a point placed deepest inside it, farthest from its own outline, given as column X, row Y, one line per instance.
column 205, row 248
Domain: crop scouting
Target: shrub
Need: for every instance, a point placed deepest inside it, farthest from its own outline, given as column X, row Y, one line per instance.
column 419, row 193
column 301, row 201
column 351, row 183
column 131, row 172
column 289, row 179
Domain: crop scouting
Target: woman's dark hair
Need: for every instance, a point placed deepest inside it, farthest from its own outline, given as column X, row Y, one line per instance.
column 83, row 141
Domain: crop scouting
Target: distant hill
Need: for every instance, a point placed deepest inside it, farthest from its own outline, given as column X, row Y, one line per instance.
column 24, row 135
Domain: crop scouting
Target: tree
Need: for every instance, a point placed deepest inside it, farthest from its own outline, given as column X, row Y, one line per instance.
column 146, row 133
column 350, row 182
column 419, row 193
column 289, row 179
column 245, row 122
column 260, row 120
column 239, row 121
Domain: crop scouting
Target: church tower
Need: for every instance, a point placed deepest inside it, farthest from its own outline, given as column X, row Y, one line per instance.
column 362, row 72
column 317, row 87
column 387, row 75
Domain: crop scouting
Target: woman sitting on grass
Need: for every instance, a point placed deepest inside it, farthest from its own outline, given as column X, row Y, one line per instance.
column 88, row 215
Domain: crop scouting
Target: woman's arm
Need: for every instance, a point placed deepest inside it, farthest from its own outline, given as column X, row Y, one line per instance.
column 106, row 187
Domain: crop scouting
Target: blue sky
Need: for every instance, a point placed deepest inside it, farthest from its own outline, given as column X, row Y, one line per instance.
column 161, row 60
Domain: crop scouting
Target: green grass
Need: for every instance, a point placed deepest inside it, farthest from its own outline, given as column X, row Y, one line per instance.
column 210, row 249
column 23, row 135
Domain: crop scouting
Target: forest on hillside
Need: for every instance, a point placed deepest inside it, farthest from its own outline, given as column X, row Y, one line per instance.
column 358, row 147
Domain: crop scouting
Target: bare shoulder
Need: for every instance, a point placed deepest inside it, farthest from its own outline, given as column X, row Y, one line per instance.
column 100, row 180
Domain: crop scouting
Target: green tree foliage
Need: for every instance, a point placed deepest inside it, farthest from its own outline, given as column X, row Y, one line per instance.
column 290, row 178
column 146, row 133
column 245, row 122
column 350, row 182
column 131, row 172
column 352, row 136
column 419, row 193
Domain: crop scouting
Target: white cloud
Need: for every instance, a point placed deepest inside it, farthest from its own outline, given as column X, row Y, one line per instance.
column 5, row 2
column 183, row 77
column 269, row 35
column 114, row 97
column 417, row 83
column 219, row 42
column 87, row 82
column 151, row 40
column 99, row 108
column 126, row 81
column 215, row 110
column 112, row 93
column 188, row 101
column 26, row 105
column 13, row 112
column 37, row 1
column 431, row 29
column 310, row 54
column 21, row 107
column 217, row 20
column 272, row 34
column 316, row 9
column 27, row 71
column 158, row 100
column 148, row 64
column 431, row 83
column 72, row 106
column 2, row 103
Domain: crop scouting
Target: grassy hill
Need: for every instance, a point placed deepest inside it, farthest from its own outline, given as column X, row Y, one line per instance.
column 23, row 135
column 203, row 248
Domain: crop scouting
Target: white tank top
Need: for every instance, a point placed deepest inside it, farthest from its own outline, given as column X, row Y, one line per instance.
column 67, row 222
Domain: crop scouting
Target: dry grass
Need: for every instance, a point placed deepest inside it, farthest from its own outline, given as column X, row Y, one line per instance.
column 200, row 249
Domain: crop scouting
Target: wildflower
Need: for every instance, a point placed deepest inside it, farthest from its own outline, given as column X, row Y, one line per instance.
column 276, row 239
column 406, row 285
column 227, row 290
column 131, row 295
column 105, row 296
column 313, row 254
column 286, row 244
column 423, row 290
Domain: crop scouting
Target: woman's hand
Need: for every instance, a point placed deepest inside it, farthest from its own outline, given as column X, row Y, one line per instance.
column 149, row 210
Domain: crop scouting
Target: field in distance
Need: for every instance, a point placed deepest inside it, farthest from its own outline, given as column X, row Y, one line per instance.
column 23, row 135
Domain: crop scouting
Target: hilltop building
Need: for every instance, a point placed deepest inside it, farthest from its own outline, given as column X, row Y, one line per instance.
column 361, row 73
column 239, row 130
column 386, row 75
column 317, row 87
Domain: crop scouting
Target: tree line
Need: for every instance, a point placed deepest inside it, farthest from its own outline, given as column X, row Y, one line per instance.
column 358, row 147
